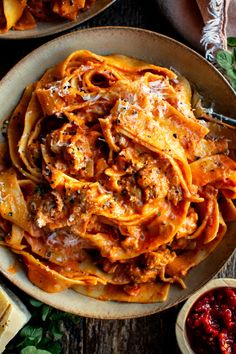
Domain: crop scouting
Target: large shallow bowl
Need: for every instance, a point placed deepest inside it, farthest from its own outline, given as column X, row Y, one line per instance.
column 151, row 47
column 48, row 28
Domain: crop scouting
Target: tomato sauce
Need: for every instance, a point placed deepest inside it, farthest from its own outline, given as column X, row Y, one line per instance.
column 211, row 322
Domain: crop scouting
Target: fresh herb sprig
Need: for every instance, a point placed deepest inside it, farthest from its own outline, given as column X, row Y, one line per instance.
column 43, row 333
column 227, row 61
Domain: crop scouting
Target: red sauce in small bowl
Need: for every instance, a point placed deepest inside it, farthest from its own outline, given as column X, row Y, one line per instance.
column 211, row 322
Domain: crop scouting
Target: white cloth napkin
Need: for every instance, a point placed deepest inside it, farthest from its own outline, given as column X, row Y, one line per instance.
column 205, row 24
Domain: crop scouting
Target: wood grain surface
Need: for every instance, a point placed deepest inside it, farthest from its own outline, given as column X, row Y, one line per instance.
column 148, row 335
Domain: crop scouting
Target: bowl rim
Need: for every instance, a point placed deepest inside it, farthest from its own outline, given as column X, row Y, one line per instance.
column 131, row 28
column 62, row 26
column 147, row 311
column 180, row 328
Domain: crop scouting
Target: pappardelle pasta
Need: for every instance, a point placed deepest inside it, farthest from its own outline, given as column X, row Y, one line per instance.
column 116, row 185
column 24, row 14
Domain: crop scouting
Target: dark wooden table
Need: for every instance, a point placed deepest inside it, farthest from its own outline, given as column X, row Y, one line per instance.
column 147, row 335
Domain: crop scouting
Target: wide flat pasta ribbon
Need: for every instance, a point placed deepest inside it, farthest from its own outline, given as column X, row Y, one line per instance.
column 12, row 204
column 13, row 10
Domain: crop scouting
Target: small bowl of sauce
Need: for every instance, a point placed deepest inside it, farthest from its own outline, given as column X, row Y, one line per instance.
column 207, row 322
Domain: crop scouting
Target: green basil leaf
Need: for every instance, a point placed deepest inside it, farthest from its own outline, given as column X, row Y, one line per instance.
column 35, row 303
column 33, row 350
column 45, row 311
column 233, row 83
column 36, row 335
column 231, row 41
column 43, row 333
column 57, row 316
column 224, row 59
column 54, row 348
column 231, row 73
column 26, row 331
column 56, row 332
column 11, row 347
column 234, row 56
column 74, row 318
column 24, row 343
column 32, row 333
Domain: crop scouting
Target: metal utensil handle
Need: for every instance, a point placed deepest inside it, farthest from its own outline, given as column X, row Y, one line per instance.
column 224, row 119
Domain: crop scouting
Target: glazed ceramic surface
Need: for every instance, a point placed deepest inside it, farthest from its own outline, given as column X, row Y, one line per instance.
column 153, row 48
column 49, row 28
column 180, row 328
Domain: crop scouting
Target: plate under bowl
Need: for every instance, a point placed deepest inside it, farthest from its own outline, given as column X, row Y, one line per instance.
column 154, row 48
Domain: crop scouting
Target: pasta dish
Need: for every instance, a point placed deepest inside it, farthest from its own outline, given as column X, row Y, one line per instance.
column 115, row 184
column 24, row 14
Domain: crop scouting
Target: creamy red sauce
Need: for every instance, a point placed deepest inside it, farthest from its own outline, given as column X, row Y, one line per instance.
column 211, row 323
column 14, row 268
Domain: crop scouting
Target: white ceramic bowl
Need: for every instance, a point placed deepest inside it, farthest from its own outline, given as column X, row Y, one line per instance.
column 151, row 47
column 52, row 27
column 180, row 328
